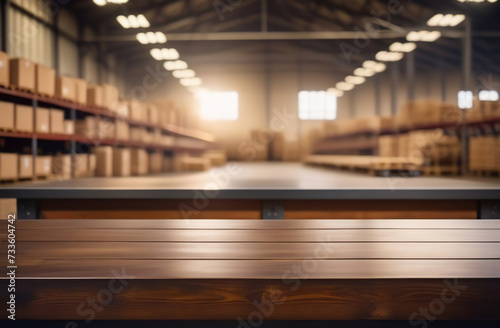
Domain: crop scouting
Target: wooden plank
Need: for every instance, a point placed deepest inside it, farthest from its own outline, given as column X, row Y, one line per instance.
column 253, row 251
column 255, row 225
column 259, row 269
column 243, row 300
column 238, row 236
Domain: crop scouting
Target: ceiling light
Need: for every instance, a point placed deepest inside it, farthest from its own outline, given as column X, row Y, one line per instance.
column 143, row 22
column 380, row 67
column 170, row 54
column 151, row 37
column 175, row 65
column 123, row 21
column 402, row 47
column 388, row 56
column 164, row 54
column 355, row 79
column 364, row 72
column 465, row 99
column 191, row 82
column 336, row 92
column 185, row 73
column 446, row 20
column 426, row 36
column 134, row 23
column 344, row 86
column 142, row 38
column 104, row 2
column 369, row 64
column 160, row 37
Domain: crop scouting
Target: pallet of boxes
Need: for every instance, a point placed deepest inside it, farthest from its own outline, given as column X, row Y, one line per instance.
column 484, row 155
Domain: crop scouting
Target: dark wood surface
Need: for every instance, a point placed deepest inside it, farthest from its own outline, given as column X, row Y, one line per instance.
column 251, row 209
column 386, row 299
column 218, row 269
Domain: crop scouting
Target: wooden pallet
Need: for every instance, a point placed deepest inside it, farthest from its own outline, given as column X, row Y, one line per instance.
column 373, row 165
column 440, row 170
column 485, row 173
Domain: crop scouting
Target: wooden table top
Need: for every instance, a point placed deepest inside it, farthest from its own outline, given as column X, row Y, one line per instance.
column 257, row 249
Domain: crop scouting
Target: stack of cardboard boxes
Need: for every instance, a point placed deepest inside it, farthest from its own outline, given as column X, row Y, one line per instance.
column 484, row 154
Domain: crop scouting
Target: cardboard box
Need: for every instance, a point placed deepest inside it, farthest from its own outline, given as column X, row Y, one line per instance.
column 57, row 121
column 195, row 164
column 69, row 127
column 42, row 120
column 104, row 161
column 136, row 134
column 106, row 129
column 87, row 127
column 139, row 162
column 8, row 166
column 155, row 162
column 23, row 120
column 123, row 108
column 94, row 95
column 4, row 69
column 216, row 158
column 92, row 164
column 110, row 96
column 8, row 206
column 65, row 88
column 6, row 115
column 22, row 74
column 121, row 162
column 153, row 115
column 25, row 166
column 81, row 165
column 122, row 131
column 138, row 111
column 43, row 166
column 166, row 164
column 61, row 166
column 45, row 80
column 80, row 91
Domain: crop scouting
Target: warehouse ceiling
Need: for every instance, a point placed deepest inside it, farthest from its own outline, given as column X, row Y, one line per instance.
column 195, row 18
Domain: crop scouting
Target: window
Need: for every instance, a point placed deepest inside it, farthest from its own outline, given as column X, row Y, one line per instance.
column 220, row 106
column 488, row 95
column 317, row 105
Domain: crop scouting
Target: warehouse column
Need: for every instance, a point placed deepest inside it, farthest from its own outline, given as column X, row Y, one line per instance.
column 443, row 79
column 467, row 72
column 55, row 49
column 410, row 75
column 4, row 16
column 377, row 82
column 394, row 88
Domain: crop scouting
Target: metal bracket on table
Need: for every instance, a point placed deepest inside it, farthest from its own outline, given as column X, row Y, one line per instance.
column 489, row 209
column 27, row 209
column 273, row 211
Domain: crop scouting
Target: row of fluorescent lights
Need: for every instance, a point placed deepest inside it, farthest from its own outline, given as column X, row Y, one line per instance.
column 187, row 77
column 396, row 52
column 105, row 2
